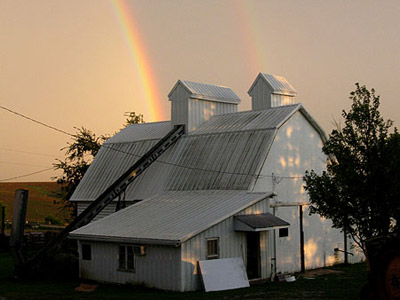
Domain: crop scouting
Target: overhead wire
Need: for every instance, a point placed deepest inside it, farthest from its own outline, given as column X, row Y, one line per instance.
column 27, row 152
column 26, row 175
column 35, row 121
column 131, row 154
column 206, row 170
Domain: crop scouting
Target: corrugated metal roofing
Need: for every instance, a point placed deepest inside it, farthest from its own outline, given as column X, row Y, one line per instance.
column 112, row 160
column 208, row 91
column 172, row 217
column 278, row 84
column 225, row 153
column 250, row 120
column 139, row 132
column 225, row 161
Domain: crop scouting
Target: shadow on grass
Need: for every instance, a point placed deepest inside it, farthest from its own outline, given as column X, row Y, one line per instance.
column 342, row 285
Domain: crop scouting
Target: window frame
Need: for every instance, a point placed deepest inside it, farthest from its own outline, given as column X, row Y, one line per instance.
column 216, row 247
column 283, row 231
column 126, row 258
column 86, row 251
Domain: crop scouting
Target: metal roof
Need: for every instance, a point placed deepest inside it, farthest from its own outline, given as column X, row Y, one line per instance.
column 278, row 84
column 139, row 132
column 207, row 91
column 224, row 153
column 266, row 220
column 171, row 218
column 271, row 118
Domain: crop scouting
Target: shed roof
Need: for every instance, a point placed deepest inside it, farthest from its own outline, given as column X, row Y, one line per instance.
column 262, row 221
column 207, row 91
column 170, row 218
column 278, row 84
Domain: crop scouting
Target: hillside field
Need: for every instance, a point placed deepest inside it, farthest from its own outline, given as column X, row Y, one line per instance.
column 41, row 198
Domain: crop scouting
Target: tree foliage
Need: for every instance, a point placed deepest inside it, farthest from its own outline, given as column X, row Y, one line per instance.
column 79, row 155
column 359, row 190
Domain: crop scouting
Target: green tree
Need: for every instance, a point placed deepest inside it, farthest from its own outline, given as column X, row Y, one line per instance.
column 358, row 191
column 133, row 118
column 79, row 155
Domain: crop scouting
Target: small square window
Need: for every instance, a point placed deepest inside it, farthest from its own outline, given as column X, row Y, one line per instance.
column 86, row 252
column 283, row 232
column 212, row 248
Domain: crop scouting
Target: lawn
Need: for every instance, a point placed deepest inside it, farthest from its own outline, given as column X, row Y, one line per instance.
column 41, row 198
column 345, row 283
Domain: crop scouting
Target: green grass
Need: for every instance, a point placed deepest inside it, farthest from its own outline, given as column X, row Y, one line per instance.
column 345, row 285
column 41, row 198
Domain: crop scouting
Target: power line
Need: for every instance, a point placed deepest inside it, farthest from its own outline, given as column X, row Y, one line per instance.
column 20, row 164
column 35, row 121
column 27, row 152
column 207, row 170
column 26, row 175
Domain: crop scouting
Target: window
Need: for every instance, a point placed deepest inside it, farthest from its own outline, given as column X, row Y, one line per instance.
column 126, row 258
column 283, row 232
column 212, row 248
column 86, row 252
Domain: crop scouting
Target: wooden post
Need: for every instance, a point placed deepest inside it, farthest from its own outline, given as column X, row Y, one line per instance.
column 346, row 256
column 18, row 226
column 302, row 261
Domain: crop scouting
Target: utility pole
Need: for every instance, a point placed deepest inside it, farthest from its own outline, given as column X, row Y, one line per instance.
column 18, row 226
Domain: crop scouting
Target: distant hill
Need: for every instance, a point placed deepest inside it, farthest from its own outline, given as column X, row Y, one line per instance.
column 41, row 198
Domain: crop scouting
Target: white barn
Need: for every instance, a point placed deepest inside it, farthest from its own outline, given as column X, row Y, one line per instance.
column 230, row 187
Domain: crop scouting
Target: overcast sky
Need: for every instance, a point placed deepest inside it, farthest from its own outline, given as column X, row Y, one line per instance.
column 72, row 63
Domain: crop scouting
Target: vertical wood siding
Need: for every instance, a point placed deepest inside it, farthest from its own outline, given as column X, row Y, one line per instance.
column 297, row 148
column 202, row 110
column 159, row 268
column 231, row 244
column 261, row 96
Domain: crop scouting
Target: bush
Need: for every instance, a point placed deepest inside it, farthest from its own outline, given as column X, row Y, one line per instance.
column 51, row 220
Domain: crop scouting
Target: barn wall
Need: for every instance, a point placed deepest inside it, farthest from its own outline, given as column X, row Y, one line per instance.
column 261, row 96
column 179, row 106
column 202, row 110
column 279, row 100
column 159, row 268
column 297, row 148
column 231, row 243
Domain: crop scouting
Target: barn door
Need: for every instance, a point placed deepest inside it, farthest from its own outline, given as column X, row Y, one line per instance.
column 253, row 255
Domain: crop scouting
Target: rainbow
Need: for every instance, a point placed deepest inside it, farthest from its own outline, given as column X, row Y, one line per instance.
column 137, row 48
column 250, row 32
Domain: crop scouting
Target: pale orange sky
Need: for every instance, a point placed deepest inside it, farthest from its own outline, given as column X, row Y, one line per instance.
column 68, row 64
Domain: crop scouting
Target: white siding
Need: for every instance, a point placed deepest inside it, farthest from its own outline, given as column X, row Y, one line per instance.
column 297, row 148
column 280, row 100
column 261, row 96
column 231, row 244
column 179, row 106
column 202, row 110
column 159, row 268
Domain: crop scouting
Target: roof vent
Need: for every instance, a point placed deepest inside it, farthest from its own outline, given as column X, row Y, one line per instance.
column 271, row 91
column 192, row 103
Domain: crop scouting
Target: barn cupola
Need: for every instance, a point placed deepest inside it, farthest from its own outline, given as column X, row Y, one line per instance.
column 271, row 91
column 193, row 103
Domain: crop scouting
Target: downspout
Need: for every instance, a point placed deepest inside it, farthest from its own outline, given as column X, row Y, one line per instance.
column 273, row 259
